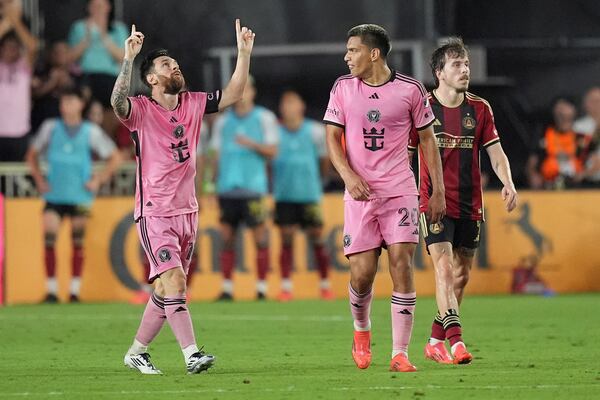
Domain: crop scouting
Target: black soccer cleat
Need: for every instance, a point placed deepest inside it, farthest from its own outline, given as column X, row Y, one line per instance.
column 199, row 361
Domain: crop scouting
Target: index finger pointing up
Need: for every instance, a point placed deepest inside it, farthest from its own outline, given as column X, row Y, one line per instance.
column 237, row 25
column 132, row 29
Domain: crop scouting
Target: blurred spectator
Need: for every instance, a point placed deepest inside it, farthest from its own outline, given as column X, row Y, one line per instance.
column 526, row 279
column 18, row 48
column 558, row 163
column 51, row 78
column 590, row 122
column 70, row 184
column 590, row 125
column 97, row 46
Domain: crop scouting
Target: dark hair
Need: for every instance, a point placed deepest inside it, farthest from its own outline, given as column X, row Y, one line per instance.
column 148, row 63
column 291, row 89
column 111, row 15
column 374, row 36
column 453, row 47
column 10, row 36
column 71, row 91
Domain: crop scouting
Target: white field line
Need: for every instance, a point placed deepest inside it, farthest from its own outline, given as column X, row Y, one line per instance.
column 292, row 389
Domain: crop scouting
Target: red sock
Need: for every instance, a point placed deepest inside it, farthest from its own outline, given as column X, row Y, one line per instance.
column 454, row 335
column 77, row 260
column 50, row 261
column 452, row 326
column 262, row 262
column 322, row 260
column 437, row 329
column 285, row 261
column 227, row 261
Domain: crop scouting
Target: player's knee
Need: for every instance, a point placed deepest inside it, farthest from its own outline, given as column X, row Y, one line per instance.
column 401, row 264
column 49, row 239
column 77, row 236
column 361, row 284
column 174, row 281
column 461, row 278
column 287, row 239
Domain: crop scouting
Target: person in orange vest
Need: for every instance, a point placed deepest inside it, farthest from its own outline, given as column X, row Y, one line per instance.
column 561, row 150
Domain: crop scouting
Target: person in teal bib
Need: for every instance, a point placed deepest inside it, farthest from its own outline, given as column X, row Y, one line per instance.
column 297, row 188
column 70, row 184
column 244, row 139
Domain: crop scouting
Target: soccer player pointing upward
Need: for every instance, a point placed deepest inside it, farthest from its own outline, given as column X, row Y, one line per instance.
column 375, row 108
column 166, row 129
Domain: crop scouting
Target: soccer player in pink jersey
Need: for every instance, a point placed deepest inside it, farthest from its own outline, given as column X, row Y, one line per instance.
column 166, row 129
column 375, row 108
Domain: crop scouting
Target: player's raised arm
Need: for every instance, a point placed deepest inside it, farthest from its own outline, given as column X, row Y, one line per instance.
column 118, row 99
column 501, row 167
column 356, row 186
column 437, row 203
column 235, row 88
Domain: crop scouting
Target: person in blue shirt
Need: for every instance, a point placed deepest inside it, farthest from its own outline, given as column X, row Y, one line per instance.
column 297, row 188
column 244, row 139
column 70, row 184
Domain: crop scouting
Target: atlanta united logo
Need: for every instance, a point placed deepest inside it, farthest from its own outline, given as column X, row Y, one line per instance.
column 373, row 116
column 347, row 240
column 164, row 255
column 178, row 132
column 468, row 122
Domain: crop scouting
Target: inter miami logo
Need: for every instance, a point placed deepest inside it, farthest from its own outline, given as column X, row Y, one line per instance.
column 164, row 255
column 374, row 116
column 347, row 240
column 180, row 151
column 468, row 122
column 373, row 139
column 178, row 132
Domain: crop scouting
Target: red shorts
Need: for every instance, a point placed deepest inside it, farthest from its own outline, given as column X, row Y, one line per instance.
column 369, row 224
column 168, row 241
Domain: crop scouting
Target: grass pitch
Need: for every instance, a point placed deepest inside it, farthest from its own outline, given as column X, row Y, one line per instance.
column 524, row 348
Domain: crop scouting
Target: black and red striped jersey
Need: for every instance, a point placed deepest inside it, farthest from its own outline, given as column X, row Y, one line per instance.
column 461, row 132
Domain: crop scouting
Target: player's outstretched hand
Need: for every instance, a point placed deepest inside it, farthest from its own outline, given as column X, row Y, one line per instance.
column 510, row 197
column 245, row 38
column 133, row 44
column 436, row 208
column 357, row 187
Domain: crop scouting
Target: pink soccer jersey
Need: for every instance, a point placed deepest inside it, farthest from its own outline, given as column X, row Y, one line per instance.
column 377, row 121
column 165, row 147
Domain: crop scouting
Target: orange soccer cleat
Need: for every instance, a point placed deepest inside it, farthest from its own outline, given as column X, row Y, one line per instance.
column 400, row 363
column 361, row 349
column 285, row 296
column 461, row 355
column 438, row 353
column 327, row 294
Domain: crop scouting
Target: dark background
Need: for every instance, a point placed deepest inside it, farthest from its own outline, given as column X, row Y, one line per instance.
column 536, row 50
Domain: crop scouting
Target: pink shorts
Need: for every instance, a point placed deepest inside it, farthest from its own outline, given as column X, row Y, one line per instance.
column 369, row 224
column 168, row 241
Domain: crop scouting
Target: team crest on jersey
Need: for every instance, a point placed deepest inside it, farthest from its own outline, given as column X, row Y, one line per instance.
column 374, row 116
column 164, row 255
column 347, row 240
column 373, row 139
column 178, row 132
column 468, row 122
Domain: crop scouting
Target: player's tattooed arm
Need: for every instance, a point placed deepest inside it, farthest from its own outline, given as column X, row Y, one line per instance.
column 118, row 99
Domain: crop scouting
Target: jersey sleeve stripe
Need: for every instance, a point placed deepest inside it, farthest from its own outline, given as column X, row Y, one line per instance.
column 426, row 125
column 491, row 142
column 338, row 80
column 326, row 122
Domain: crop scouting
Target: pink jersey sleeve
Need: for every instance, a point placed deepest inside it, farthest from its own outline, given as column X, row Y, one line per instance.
column 335, row 113
column 421, row 112
column 136, row 110
column 489, row 132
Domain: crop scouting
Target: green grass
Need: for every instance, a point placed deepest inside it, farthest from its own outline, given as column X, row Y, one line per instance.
column 524, row 347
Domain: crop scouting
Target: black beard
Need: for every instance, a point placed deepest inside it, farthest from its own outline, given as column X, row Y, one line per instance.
column 174, row 86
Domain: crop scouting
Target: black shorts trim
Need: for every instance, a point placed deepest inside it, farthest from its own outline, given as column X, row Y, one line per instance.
column 459, row 232
column 307, row 215
column 235, row 211
column 71, row 210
